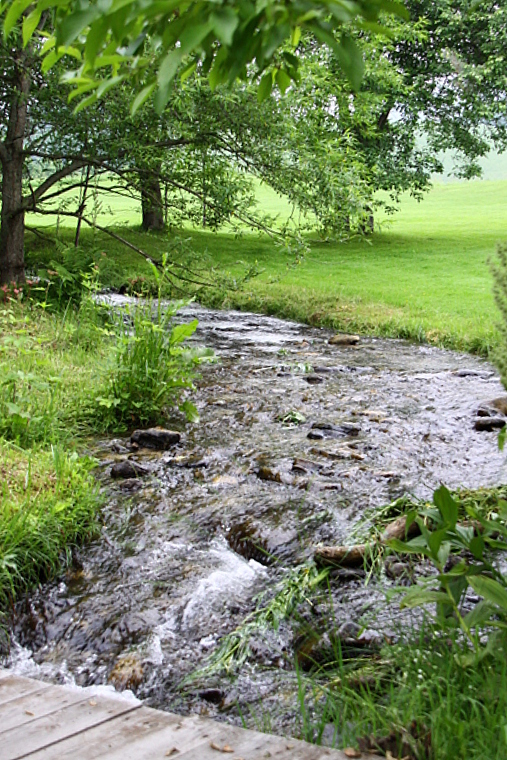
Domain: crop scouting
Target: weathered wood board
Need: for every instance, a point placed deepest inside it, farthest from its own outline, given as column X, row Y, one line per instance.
column 43, row 722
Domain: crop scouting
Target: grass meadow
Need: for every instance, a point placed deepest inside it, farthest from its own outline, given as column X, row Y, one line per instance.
column 422, row 275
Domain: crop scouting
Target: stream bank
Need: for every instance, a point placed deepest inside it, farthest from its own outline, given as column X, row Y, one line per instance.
column 298, row 440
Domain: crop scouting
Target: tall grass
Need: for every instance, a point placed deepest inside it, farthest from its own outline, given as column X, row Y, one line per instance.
column 151, row 369
column 49, row 502
column 414, row 700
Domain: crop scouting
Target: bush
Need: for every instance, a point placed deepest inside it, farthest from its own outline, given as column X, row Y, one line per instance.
column 151, row 369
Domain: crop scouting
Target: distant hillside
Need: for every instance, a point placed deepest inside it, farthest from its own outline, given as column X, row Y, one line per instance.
column 494, row 167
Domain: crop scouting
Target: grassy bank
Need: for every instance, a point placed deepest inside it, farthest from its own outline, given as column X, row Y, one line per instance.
column 49, row 503
column 69, row 372
column 49, row 500
column 413, row 701
column 424, row 275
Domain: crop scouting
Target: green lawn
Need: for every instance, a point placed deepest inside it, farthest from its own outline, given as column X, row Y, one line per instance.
column 423, row 275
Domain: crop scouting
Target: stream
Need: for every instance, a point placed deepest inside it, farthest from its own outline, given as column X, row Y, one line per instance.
column 298, row 440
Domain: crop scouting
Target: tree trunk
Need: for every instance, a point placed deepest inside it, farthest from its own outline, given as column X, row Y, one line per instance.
column 152, row 204
column 12, row 231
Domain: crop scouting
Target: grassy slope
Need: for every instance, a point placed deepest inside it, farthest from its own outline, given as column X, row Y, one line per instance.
column 423, row 276
column 49, row 501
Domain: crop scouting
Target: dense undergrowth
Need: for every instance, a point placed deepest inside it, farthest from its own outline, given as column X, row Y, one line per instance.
column 49, row 503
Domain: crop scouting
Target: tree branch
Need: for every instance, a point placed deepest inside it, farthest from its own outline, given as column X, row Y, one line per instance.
column 29, row 202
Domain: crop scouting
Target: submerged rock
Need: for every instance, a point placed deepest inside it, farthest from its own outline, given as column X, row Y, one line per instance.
column 127, row 672
column 118, row 447
column 130, row 484
column 500, row 404
column 155, row 438
column 485, row 375
column 305, row 466
column 128, row 469
column 489, row 423
column 321, row 430
column 493, row 407
column 314, row 379
column 214, row 696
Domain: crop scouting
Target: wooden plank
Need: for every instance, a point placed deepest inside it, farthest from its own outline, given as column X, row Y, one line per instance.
column 50, row 729
column 100, row 741
column 13, row 687
column 29, row 707
column 55, row 723
column 197, row 738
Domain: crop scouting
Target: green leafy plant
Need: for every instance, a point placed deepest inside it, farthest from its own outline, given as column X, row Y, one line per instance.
column 152, row 368
column 462, row 552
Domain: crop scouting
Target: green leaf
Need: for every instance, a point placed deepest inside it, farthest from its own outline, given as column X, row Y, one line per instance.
column 193, row 36
column 30, row 23
column 179, row 333
column 142, row 97
column 224, row 23
column 283, row 80
column 457, row 586
column 190, row 411
column 447, row 507
column 419, row 596
column 13, row 15
column 479, row 615
column 85, row 103
column 490, row 589
column 351, row 59
column 166, row 74
column 296, row 36
column 416, row 546
column 73, row 24
column 12, row 409
column 49, row 60
column 94, row 39
column 265, row 87
column 443, row 552
column 435, row 540
column 476, row 546
column 107, row 84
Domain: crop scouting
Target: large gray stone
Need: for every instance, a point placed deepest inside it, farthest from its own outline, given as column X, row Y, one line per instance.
column 155, row 438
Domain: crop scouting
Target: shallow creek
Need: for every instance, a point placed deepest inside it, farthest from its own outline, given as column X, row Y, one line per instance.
column 223, row 515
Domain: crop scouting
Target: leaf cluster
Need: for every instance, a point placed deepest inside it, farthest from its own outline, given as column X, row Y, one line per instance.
column 462, row 552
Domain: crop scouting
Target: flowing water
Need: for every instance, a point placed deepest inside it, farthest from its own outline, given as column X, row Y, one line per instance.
column 223, row 515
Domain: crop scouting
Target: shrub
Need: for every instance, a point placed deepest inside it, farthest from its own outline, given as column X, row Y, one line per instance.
column 152, row 368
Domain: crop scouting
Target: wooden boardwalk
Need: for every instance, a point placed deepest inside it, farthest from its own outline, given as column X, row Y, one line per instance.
column 44, row 722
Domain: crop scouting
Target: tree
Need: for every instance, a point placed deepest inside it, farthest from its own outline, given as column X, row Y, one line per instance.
column 435, row 84
column 120, row 40
column 123, row 40
column 18, row 69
